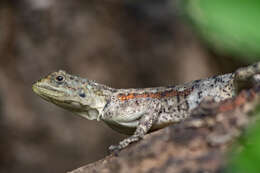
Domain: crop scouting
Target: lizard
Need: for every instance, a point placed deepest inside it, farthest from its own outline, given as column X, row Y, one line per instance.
column 138, row 111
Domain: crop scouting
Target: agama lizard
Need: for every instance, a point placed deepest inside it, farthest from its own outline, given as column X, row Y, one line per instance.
column 138, row 111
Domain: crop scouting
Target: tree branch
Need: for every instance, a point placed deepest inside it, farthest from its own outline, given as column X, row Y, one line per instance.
column 198, row 144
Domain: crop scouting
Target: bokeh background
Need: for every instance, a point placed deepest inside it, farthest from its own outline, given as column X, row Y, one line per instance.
column 122, row 44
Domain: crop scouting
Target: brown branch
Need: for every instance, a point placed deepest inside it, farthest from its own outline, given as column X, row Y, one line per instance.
column 198, row 144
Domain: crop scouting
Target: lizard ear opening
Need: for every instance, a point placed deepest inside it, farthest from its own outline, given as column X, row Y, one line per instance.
column 83, row 95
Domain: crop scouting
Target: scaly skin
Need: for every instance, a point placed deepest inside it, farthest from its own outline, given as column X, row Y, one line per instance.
column 138, row 111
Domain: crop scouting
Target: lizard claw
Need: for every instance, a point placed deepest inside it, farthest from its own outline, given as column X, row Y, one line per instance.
column 114, row 149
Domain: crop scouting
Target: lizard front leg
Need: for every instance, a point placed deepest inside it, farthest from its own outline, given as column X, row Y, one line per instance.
column 144, row 125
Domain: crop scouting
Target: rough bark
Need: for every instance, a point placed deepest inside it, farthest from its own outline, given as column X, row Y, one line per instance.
column 199, row 144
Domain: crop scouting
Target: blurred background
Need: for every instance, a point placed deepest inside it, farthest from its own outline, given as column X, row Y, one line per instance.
column 122, row 44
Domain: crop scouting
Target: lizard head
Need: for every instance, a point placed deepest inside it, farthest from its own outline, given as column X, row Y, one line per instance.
column 71, row 92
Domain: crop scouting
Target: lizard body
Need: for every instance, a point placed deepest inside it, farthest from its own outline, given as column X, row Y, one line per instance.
column 137, row 112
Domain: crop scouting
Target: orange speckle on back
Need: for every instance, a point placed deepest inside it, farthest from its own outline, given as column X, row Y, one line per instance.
column 157, row 95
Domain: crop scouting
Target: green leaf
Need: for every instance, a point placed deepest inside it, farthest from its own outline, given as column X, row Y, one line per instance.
column 228, row 26
column 245, row 157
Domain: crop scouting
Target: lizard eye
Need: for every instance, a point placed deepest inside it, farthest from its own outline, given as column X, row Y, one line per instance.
column 59, row 78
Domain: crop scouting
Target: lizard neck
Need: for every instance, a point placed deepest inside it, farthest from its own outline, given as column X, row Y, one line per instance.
column 97, row 97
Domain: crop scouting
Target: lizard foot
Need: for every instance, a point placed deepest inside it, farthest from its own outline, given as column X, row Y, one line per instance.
column 114, row 149
column 123, row 144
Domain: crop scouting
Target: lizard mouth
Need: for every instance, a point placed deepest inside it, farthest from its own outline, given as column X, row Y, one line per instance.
column 55, row 96
column 46, row 92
